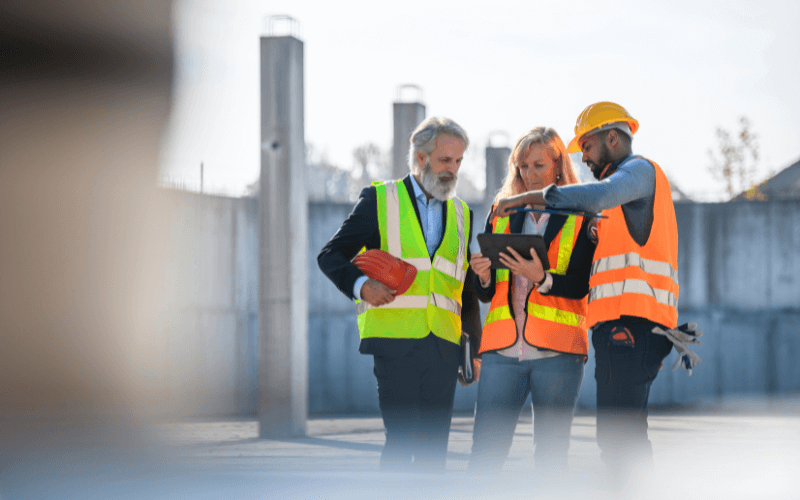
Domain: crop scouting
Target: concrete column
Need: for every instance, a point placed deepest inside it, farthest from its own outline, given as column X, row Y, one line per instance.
column 407, row 115
column 496, row 169
column 283, row 243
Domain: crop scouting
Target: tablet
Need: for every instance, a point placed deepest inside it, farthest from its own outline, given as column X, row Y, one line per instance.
column 492, row 244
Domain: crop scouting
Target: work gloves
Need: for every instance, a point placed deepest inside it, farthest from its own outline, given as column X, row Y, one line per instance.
column 685, row 334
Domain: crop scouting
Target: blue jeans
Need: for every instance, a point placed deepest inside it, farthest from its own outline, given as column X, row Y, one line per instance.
column 553, row 383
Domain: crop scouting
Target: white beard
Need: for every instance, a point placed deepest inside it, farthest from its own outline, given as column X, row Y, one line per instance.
column 434, row 184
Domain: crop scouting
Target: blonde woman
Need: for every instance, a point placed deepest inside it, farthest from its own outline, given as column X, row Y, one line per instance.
column 534, row 338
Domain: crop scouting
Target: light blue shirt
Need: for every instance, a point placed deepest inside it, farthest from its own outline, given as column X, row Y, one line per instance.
column 430, row 214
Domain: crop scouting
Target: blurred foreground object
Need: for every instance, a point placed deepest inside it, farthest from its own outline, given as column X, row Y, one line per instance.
column 84, row 94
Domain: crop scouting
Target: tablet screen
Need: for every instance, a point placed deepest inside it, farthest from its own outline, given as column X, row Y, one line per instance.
column 492, row 244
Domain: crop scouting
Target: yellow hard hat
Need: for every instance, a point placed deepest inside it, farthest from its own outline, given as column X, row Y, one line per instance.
column 595, row 116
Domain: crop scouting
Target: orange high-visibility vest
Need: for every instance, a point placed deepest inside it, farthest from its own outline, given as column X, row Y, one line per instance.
column 632, row 280
column 553, row 323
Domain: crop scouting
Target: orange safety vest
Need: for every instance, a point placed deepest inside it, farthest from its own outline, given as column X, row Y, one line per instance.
column 632, row 280
column 552, row 322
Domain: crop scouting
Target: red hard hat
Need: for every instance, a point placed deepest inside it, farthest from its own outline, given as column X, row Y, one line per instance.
column 389, row 270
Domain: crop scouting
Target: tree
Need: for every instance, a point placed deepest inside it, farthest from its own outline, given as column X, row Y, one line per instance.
column 737, row 161
column 370, row 162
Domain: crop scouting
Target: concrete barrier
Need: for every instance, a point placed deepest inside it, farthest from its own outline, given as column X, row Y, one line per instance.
column 210, row 317
column 739, row 273
column 740, row 281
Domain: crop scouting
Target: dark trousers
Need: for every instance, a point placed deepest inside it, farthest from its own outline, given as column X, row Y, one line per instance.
column 628, row 357
column 415, row 393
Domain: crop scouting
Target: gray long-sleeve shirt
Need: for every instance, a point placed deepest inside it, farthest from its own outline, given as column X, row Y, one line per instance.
column 632, row 184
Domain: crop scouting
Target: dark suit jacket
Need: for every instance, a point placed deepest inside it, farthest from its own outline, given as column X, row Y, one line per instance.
column 574, row 284
column 360, row 229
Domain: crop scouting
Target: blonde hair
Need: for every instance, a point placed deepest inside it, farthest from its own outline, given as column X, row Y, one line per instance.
column 554, row 146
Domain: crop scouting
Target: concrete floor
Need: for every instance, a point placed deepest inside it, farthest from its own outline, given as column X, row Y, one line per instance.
column 741, row 449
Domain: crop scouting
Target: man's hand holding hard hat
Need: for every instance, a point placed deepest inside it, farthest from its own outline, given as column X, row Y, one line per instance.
column 389, row 276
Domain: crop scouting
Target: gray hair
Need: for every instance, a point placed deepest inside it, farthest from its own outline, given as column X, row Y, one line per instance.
column 423, row 139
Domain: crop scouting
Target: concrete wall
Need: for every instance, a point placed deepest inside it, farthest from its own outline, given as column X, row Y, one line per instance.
column 340, row 378
column 211, row 314
column 740, row 281
column 739, row 274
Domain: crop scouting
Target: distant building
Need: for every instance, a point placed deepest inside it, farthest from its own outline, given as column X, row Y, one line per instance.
column 467, row 191
column 785, row 185
column 329, row 183
column 677, row 193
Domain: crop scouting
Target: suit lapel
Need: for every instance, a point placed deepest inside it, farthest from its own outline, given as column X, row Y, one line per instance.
column 410, row 189
column 515, row 221
column 444, row 227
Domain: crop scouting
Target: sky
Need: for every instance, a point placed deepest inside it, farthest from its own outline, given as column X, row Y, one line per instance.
column 682, row 68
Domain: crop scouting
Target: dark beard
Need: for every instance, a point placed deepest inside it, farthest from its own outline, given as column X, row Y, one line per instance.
column 596, row 171
column 598, row 168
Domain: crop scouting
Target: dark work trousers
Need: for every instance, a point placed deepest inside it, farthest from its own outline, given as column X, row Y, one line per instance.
column 628, row 357
column 415, row 393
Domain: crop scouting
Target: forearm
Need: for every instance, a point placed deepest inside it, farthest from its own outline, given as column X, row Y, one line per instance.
column 338, row 268
column 470, row 309
column 569, row 287
column 594, row 197
column 529, row 198
column 360, row 229
column 631, row 182
column 484, row 294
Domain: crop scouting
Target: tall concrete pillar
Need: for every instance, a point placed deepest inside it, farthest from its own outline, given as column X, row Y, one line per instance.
column 407, row 115
column 283, row 243
column 496, row 167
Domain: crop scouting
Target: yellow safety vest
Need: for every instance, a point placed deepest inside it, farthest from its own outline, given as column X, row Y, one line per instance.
column 433, row 302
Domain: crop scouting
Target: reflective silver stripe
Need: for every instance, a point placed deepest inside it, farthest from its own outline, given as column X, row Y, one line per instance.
column 415, row 302
column 449, row 268
column 633, row 259
column 446, row 303
column 462, row 238
column 421, row 263
column 632, row 286
column 393, row 219
column 401, row 302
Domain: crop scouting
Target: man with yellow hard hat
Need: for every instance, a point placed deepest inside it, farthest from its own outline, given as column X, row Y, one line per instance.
column 633, row 286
